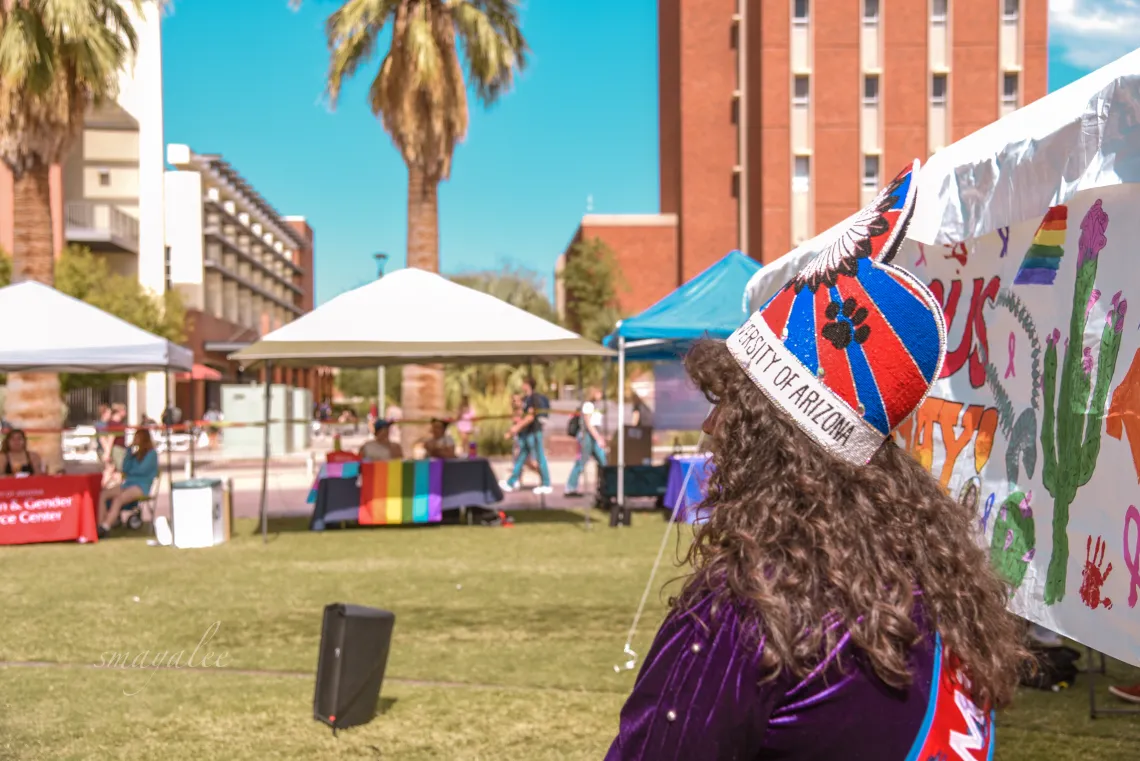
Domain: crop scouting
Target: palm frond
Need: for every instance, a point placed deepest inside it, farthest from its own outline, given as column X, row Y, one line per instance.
column 56, row 58
column 351, row 32
column 493, row 43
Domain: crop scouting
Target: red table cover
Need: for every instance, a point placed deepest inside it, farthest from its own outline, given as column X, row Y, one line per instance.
column 48, row 508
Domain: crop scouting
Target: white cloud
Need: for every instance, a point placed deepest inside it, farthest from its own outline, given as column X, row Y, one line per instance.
column 1091, row 33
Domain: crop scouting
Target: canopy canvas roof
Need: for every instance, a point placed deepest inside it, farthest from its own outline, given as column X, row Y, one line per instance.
column 415, row 316
column 71, row 336
column 1080, row 137
column 709, row 305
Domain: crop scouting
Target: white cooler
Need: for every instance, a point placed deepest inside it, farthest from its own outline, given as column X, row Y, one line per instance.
column 198, row 515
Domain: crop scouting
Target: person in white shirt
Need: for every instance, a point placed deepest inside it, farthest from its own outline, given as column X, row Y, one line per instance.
column 379, row 447
column 590, row 443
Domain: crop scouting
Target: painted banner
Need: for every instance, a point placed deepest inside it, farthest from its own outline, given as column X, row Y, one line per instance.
column 48, row 509
column 1035, row 421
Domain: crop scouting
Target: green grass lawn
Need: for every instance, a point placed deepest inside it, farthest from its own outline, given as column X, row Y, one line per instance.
column 504, row 647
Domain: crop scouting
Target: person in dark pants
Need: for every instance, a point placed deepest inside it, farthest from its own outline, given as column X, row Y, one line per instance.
column 536, row 408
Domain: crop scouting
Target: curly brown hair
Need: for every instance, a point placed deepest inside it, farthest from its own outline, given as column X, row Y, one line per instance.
column 804, row 538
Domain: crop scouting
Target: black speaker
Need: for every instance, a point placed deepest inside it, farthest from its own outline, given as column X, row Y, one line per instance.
column 354, row 652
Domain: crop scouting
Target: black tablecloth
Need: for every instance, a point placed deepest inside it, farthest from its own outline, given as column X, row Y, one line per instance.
column 466, row 483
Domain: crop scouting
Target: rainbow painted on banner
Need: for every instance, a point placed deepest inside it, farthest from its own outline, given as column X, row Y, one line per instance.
column 392, row 492
column 1043, row 259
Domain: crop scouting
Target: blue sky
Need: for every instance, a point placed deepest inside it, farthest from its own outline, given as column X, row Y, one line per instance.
column 246, row 79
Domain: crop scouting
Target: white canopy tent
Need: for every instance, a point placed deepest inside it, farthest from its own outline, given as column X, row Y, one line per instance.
column 415, row 316
column 71, row 336
column 410, row 316
column 1080, row 137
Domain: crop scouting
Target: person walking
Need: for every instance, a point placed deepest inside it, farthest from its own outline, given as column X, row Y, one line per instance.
column 591, row 445
column 536, row 409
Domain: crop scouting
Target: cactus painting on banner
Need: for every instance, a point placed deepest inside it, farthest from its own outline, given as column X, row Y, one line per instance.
column 1035, row 421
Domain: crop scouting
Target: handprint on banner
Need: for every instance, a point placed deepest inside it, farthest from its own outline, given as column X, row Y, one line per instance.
column 1095, row 574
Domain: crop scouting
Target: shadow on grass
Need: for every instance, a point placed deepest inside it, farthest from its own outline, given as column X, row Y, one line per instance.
column 548, row 515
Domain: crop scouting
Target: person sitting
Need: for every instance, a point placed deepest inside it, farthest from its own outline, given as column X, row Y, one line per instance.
column 380, row 446
column 139, row 468
column 17, row 459
column 438, row 445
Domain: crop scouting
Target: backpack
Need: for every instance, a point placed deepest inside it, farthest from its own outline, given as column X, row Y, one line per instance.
column 574, row 427
column 1051, row 668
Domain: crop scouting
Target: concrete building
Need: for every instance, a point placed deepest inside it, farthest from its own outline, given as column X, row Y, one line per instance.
column 242, row 269
column 779, row 118
column 107, row 193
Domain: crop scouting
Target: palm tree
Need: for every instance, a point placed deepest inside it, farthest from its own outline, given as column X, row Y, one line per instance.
column 57, row 58
column 420, row 95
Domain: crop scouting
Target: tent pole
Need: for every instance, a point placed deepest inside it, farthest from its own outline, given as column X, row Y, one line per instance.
column 381, row 382
column 621, row 430
column 265, row 457
column 169, row 466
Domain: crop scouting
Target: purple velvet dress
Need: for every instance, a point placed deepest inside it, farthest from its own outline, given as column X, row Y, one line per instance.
column 699, row 697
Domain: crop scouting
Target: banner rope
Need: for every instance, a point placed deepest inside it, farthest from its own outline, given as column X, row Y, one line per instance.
column 681, row 501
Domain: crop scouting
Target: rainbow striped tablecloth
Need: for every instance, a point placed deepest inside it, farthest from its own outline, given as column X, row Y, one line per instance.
column 399, row 491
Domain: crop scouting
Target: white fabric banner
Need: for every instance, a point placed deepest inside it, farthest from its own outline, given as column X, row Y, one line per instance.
column 1036, row 419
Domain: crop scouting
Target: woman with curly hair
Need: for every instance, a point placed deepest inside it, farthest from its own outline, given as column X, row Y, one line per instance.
column 839, row 606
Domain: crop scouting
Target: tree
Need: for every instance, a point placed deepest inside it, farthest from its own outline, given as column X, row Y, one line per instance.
column 591, row 278
column 518, row 287
column 57, row 58
column 420, row 95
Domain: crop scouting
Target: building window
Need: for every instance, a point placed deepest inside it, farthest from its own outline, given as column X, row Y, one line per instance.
column 802, row 173
column 104, row 178
column 870, row 11
column 938, row 90
column 870, row 172
column 938, row 11
column 1010, row 9
column 801, row 11
column 1009, row 88
column 802, row 90
column 870, row 89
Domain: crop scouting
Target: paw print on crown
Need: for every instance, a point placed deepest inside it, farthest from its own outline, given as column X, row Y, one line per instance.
column 846, row 324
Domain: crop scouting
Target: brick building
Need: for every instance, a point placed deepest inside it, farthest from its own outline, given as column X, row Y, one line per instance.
column 779, row 118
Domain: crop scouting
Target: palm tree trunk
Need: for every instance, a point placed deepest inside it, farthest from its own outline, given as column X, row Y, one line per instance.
column 33, row 399
column 423, row 385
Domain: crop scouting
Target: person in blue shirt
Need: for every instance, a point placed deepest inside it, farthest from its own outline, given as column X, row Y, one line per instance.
column 140, row 468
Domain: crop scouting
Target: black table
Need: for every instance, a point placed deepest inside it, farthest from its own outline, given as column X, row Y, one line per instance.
column 466, row 483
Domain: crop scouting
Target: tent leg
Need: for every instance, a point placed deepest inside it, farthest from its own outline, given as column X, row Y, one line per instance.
column 620, row 517
column 381, row 383
column 169, row 467
column 263, row 508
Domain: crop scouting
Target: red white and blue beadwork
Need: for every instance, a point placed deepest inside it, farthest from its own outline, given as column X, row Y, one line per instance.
column 850, row 347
